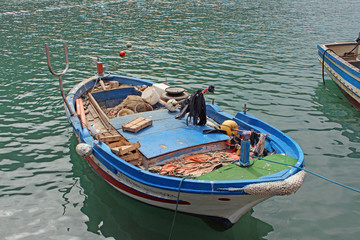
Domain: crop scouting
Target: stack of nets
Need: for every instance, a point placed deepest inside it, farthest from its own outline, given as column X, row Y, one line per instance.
column 130, row 105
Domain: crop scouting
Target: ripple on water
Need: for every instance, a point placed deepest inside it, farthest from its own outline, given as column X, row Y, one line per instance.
column 262, row 54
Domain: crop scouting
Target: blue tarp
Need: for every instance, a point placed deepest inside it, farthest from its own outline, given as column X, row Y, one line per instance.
column 166, row 134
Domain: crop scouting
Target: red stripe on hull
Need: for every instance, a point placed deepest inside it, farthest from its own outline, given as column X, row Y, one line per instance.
column 351, row 99
column 132, row 191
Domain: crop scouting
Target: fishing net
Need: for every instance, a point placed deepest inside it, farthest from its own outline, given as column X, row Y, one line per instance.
column 130, row 105
column 195, row 165
column 286, row 187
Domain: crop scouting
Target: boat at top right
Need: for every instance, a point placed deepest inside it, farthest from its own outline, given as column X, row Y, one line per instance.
column 341, row 61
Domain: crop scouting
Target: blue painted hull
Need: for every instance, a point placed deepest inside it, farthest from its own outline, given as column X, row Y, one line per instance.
column 344, row 71
column 227, row 200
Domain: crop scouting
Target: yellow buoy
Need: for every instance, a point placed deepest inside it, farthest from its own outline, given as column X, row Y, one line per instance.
column 230, row 127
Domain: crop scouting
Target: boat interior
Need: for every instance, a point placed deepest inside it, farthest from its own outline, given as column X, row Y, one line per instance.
column 151, row 138
column 109, row 107
column 350, row 52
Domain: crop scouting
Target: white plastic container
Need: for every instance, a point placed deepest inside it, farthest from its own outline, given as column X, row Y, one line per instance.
column 94, row 130
column 160, row 88
column 150, row 95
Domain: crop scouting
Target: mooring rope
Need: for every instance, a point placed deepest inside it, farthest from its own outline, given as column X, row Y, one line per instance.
column 311, row 172
column 176, row 209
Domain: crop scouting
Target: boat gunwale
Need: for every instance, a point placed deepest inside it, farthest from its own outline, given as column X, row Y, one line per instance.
column 337, row 58
column 346, row 68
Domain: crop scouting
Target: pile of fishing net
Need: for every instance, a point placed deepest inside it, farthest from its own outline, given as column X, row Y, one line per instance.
column 286, row 187
column 130, row 105
column 195, row 165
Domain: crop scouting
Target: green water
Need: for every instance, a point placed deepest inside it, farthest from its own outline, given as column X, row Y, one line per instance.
column 259, row 53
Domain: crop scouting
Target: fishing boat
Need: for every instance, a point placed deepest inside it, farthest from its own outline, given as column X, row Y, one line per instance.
column 341, row 61
column 166, row 147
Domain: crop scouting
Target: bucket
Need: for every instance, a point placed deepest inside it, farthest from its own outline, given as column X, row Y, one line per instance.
column 160, row 88
column 150, row 95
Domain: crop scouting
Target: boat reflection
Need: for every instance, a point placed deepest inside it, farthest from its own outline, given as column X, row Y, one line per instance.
column 338, row 110
column 112, row 214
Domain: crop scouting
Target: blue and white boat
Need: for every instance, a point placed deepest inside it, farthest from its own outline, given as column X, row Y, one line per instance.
column 217, row 167
column 341, row 61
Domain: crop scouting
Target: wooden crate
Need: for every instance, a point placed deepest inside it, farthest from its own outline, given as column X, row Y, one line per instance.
column 131, row 156
column 136, row 124
column 111, row 139
column 122, row 149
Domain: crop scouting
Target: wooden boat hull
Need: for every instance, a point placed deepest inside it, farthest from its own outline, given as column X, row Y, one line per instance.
column 226, row 208
column 225, row 200
column 344, row 71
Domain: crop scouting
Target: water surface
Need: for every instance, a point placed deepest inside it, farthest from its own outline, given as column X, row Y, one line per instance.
column 259, row 53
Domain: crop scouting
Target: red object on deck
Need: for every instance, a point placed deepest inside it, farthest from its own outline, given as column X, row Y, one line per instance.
column 122, row 54
column 99, row 66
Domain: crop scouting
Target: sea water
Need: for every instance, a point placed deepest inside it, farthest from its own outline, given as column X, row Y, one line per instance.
column 259, row 53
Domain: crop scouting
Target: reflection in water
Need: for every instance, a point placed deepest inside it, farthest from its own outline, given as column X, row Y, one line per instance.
column 262, row 53
column 112, row 214
column 338, row 110
column 67, row 190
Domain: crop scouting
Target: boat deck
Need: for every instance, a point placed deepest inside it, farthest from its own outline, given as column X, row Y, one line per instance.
column 166, row 134
column 258, row 170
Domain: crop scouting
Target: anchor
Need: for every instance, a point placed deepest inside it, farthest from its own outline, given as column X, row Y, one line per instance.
column 60, row 74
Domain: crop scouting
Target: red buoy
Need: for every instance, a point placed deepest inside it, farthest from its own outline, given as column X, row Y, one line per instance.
column 122, row 54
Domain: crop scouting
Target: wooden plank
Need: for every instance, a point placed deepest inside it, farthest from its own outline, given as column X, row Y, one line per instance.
column 135, row 162
column 126, row 149
column 93, row 117
column 117, row 144
column 102, row 84
column 101, row 114
column 123, row 147
column 109, row 139
column 136, row 124
column 131, row 156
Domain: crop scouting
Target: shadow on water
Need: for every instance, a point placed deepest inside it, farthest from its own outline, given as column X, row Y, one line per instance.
column 112, row 214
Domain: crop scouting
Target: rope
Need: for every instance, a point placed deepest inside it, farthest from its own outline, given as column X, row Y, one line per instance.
column 176, row 209
column 96, row 82
column 313, row 173
column 323, row 71
column 348, row 53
